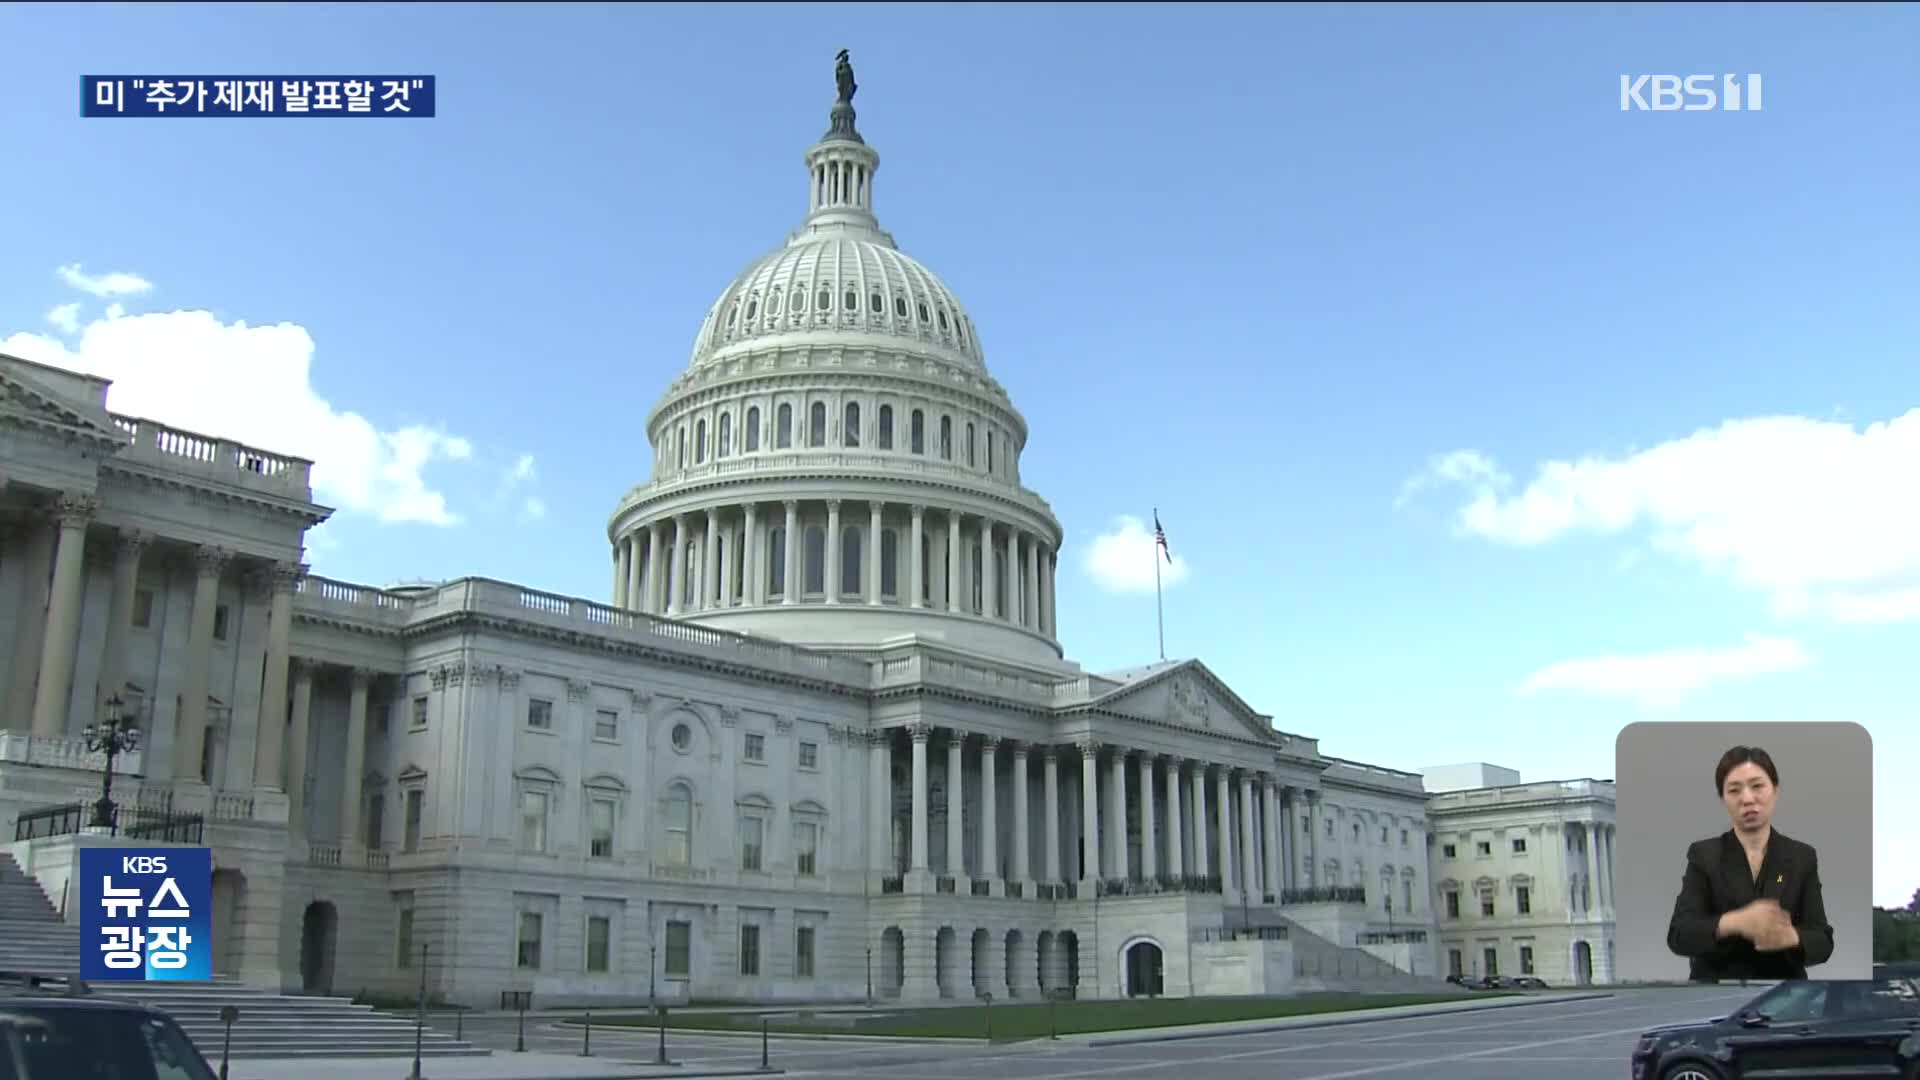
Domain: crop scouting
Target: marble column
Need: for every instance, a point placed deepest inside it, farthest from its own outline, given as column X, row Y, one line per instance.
column 1036, row 618
column 636, row 563
column 709, row 563
column 832, row 553
column 297, row 749
column 1590, row 894
column 126, row 585
column 272, row 729
column 1022, row 865
column 875, row 531
column 1047, row 586
column 751, row 558
column 920, row 732
column 1606, row 861
column 676, row 580
column 622, row 570
column 1016, row 612
column 351, row 798
column 880, row 798
column 1249, row 833
column 918, row 582
column 190, row 728
column 1090, row 813
column 1289, row 847
column 989, row 572
column 1223, row 810
column 53, row 694
column 1176, row 859
column 1197, row 786
column 1050, row 797
column 1149, row 839
column 956, row 813
column 1270, row 796
column 1117, row 860
column 656, row 556
column 791, row 554
column 989, row 862
column 1313, row 841
column 953, row 562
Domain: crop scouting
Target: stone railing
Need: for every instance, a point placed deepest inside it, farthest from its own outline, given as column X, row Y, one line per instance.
column 1393, row 937
column 321, row 855
column 1159, row 886
column 214, row 458
column 231, row 806
column 1523, row 793
column 1360, row 772
column 891, row 465
column 1334, row 894
column 378, row 860
column 64, row 752
column 1240, row 933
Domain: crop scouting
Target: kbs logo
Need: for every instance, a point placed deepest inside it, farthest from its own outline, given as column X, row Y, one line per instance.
column 1689, row 93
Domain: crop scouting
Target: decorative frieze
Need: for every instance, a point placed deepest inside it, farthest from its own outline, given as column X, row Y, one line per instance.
column 782, row 725
column 578, row 689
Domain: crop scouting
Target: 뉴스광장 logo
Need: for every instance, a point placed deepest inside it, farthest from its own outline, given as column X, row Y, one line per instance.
column 1689, row 93
column 146, row 913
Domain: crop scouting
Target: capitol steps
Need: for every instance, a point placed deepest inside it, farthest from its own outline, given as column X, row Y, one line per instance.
column 1323, row 965
column 270, row 1025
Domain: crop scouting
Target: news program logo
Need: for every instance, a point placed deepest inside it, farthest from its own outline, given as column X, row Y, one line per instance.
column 1689, row 93
column 146, row 914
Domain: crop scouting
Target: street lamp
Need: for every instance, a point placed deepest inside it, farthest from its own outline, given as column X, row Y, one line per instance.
column 114, row 735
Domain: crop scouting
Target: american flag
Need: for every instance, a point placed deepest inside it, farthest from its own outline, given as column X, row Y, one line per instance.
column 1160, row 538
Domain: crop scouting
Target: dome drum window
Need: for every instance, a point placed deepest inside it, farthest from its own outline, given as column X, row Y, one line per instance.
column 753, row 308
column 900, row 307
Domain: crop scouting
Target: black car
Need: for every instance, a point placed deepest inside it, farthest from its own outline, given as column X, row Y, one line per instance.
column 1813, row 1028
column 93, row 1038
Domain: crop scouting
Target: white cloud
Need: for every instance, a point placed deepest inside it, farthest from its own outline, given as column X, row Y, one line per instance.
column 252, row 384
column 1123, row 558
column 117, row 283
column 66, row 317
column 1816, row 514
column 522, row 473
column 533, row 509
column 1663, row 678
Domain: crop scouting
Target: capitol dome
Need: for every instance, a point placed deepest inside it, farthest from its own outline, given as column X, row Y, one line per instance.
column 838, row 395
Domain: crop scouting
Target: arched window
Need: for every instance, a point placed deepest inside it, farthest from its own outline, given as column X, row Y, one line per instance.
column 853, row 301
column 733, row 314
column 692, row 573
column 824, row 300
column 753, row 308
column 926, row 568
column 1002, row 583
column 850, row 560
column 969, row 444
column 773, row 303
column 816, row 556
column 918, row 436
column 682, row 434
column 679, row 823
column 783, row 427
column 700, row 441
column 890, row 562
column 876, row 303
column 799, row 303
column 726, row 434
column 885, row 433
column 991, row 439
column 776, row 561
column 977, row 565
column 851, row 425
column 817, row 424
column 750, row 438
column 900, row 307
column 946, row 438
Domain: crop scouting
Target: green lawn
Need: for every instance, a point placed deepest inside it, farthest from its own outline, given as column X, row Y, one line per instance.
column 1031, row 1020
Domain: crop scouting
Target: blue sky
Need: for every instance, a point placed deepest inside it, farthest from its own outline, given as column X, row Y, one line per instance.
column 1485, row 418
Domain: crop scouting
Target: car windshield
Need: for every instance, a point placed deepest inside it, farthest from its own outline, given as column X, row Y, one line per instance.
column 97, row 1044
column 1803, row 1001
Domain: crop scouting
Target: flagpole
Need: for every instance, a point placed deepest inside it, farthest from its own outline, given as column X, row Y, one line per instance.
column 1159, row 608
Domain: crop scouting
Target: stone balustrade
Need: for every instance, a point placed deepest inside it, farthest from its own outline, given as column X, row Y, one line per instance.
column 65, row 752
column 890, row 465
column 214, row 458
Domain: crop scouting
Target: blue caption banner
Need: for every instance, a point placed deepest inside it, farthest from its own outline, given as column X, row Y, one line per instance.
column 257, row 95
column 146, row 914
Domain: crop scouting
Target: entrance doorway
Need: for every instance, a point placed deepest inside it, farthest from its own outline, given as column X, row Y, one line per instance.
column 1145, row 977
column 318, row 928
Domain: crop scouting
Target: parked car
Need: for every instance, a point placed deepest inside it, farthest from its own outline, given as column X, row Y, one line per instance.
column 81, row 1036
column 1811, row 1028
column 1529, row 982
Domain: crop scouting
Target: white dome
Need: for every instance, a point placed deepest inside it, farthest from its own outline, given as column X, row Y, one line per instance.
column 845, row 282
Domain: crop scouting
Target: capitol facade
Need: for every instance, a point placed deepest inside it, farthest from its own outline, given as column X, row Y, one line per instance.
column 820, row 741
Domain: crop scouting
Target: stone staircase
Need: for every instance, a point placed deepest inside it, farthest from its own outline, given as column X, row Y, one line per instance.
column 270, row 1025
column 1320, row 964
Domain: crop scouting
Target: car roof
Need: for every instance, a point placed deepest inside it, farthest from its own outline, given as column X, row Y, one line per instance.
column 47, row 1001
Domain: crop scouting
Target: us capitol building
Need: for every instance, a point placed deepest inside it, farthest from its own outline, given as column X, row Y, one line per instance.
column 822, row 743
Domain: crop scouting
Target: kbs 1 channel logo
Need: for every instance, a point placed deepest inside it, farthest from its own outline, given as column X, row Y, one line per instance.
column 146, row 914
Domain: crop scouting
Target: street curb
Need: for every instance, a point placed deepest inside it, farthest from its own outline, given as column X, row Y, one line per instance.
column 818, row 1036
column 1357, row 1016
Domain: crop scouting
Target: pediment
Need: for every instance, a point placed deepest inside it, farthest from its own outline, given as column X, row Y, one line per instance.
column 1188, row 695
column 25, row 399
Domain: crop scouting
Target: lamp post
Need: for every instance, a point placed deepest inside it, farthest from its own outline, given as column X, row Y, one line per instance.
column 114, row 735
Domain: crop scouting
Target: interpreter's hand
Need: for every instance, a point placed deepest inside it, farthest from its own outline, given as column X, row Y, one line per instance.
column 1765, row 923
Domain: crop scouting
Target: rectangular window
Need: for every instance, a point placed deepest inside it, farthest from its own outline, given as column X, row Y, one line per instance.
column 756, row 746
column 809, row 755
column 420, row 711
column 1520, row 846
column 600, row 843
column 1484, row 848
column 752, row 839
column 416, row 808
column 1403, row 838
column 606, row 725
column 376, row 821
column 533, row 821
column 1383, row 834
column 403, row 939
column 599, row 932
column 803, row 952
column 679, row 954
column 1486, row 905
column 1454, row 963
column 1453, row 905
column 527, row 955
column 1526, row 959
column 143, row 608
column 1523, row 899
column 806, row 837
column 749, row 949
column 540, row 714
column 220, row 616
column 1491, row 956
column 1447, row 850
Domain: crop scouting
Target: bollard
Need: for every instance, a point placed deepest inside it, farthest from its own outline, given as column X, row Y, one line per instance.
column 764, row 1067
column 228, row 1014
column 586, row 1036
column 520, row 1040
column 661, row 1059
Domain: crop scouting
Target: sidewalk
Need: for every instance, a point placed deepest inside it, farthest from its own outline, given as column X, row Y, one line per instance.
column 1321, row 1020
column 499, row 1066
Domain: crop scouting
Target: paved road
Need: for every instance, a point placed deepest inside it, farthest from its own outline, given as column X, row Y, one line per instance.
column 1580, row 1040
